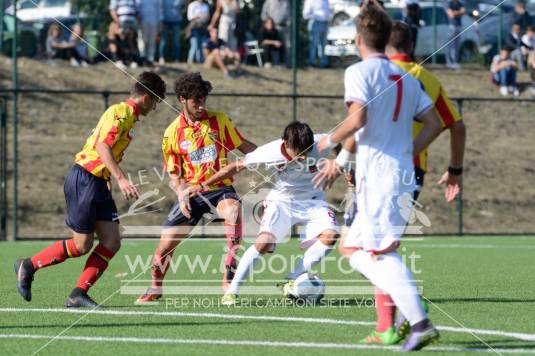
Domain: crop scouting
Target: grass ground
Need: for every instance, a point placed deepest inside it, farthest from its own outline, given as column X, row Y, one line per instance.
column 484, row 283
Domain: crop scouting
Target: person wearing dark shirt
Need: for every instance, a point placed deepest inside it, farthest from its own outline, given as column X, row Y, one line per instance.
column 270, row 42
column 514, row 42
column 411, row 16
column 521, row 16
column 455, row 13
column 217, row 55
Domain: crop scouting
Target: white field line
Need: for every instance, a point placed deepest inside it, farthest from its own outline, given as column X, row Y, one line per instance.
column 514, row 335
column 264, row 343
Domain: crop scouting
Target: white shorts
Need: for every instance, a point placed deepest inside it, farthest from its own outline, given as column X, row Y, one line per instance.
column 280, row 215
column 381, row 219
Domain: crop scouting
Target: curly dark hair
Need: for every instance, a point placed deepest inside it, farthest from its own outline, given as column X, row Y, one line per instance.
column 149, row 83
column 191, row 85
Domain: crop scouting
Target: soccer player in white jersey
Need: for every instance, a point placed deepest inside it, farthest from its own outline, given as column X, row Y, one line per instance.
column 382, row 103
column 293, row 200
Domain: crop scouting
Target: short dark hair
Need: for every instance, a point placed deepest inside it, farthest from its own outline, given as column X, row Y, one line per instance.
column 191, row 85
column 530, row 28
column 401, row 37
column 374, row 26
column 298, row 136
column 149, row 83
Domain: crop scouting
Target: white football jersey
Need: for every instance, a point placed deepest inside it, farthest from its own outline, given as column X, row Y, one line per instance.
column 293, row 179
column 393, row 100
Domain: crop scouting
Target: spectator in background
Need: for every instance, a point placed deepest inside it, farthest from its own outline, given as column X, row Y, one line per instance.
column 455, row 13
column 124, row 14
column 521, row 16
column 531, row 69
column 514, row 42
column 58, row 48
column 270, row 42
column 218, row 55
column 503, row 69
column 78, row 43
column 411, row 16
column 150, row 18
column 280, row 12
column 171, row 11
column 198, row 16
column 226, row 13
column 122, row 47
column 528, row 40
column 317, row 13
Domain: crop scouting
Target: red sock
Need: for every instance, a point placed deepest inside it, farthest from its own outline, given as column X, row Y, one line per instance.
column 386, row 311
column 94, row 267
column 160, row 265
column 56, row 253
column 234, row 234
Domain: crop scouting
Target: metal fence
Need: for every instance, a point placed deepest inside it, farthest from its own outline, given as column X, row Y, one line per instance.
column 44, row 152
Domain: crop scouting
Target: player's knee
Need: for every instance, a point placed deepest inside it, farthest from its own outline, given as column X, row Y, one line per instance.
column 84, row 246
column 113, row 246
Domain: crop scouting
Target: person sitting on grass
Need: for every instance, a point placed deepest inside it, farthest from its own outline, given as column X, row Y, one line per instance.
column 79, row 44
column 57, row 48
column 122, row 46
column 217, row 55
column 503, row 69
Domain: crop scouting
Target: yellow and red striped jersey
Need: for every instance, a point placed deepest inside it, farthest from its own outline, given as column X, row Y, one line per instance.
column 115, row 129
column 198, row 151
column 444, row 107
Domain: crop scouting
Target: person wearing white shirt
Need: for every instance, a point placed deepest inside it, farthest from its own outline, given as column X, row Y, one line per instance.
column 317, row 13
column 382, row 102
column 292, row 200
column 198, row 16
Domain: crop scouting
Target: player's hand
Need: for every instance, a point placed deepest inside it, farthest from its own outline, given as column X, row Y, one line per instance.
column 184, row 202
column 453, row 185
column 128, row 189
column 329, row 170
column 323, row 144
column 193, row 190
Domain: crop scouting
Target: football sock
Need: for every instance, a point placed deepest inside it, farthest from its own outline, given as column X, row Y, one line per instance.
column 234, row 235
column 56, row 253
column 246, row 265
column 389, row 273
column 160, row 265
column 94, row 267
column 386, row 311
column 313, row 255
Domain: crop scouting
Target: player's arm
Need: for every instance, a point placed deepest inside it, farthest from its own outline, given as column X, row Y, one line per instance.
column 246, row 147
column 430, row 131
column 355, row 120
column 127, row 188
column 228, row 171
column 331, row 169
column 452, row 178
column 181, row 189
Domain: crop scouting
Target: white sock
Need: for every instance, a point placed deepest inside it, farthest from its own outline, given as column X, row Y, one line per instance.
column 246, row 265
column 389, row 273
column 312, row 256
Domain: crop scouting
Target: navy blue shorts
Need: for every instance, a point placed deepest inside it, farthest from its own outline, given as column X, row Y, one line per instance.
column 88, row 200
column 200, row 205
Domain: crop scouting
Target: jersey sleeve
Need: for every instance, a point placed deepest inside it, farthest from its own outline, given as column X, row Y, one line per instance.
column 268, row 154
column 446, row 110
column 171, row 160
column 423, row 102
column 232, row 137
column 110, row 126
column 356, row 88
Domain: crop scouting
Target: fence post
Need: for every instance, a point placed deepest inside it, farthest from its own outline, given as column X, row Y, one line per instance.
column 3, row 169
column 295, row 29
column 15, row 87
column 434, row 16
column 106, row 97
column 460, row 227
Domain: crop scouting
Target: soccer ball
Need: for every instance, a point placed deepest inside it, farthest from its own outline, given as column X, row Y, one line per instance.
column 308, row 288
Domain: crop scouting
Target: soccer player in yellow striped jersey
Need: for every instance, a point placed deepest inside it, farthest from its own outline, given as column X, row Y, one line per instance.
column 196, row 146
column 398, row 49
column 90, row 206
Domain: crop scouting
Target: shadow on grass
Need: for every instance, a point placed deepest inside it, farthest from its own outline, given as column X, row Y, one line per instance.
column 496, row 344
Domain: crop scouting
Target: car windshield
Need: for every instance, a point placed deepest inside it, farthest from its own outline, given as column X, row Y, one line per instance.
column 56, row 3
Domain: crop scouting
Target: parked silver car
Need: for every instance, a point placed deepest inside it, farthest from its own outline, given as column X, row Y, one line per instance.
column 341, row 38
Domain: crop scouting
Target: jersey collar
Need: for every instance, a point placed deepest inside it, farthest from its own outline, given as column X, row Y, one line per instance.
column 184, row 121
column 378, row 56
column 133, row 105
column 284, row 153
column 401, row 57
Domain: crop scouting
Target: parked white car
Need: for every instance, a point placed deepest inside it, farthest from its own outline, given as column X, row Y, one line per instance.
column 29, row 11
column 341, row 39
